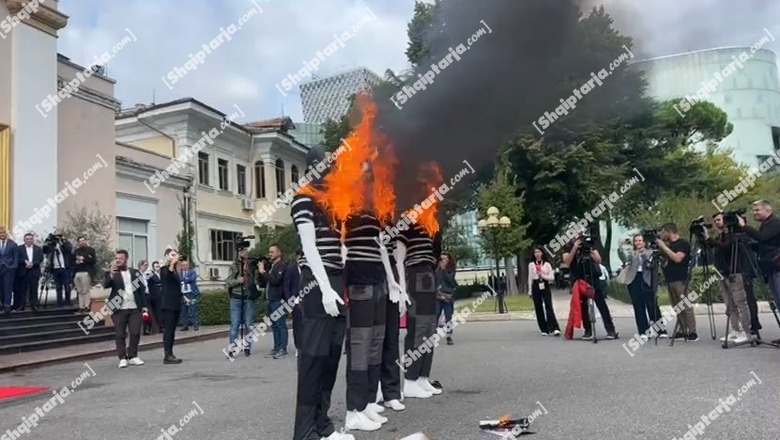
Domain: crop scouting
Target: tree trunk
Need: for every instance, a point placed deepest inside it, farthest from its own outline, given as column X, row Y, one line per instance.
column 511, row 284
column 607, row 246
column 522, row 269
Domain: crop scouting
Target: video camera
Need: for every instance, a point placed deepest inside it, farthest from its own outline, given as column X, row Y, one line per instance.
column 587, row 243
column 650, row 236
column 698, row 227
column 731, row 218
column 53, row 239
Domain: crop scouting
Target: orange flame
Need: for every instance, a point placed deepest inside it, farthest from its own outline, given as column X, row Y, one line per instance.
column 364, row 169
column 430, row 177
column 503, row 421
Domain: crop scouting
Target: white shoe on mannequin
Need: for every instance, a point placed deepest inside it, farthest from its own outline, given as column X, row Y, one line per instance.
column 426, row 385
column 339, row 436
column 377, row 408
column 413, row 389
column 357, row 421
column 372, row 415
column 395, row 405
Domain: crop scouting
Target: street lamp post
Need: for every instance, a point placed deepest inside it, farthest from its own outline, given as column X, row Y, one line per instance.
column 491, row 225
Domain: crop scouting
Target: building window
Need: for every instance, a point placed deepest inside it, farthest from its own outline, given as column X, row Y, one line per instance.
column 259, row 180
column 223, row 245
column 241, row 180
column 776, row 138
column 294, row 174
column 133, row 236
column 222, row 174
column 727, row 99
column 280, row 175
column 203, row 168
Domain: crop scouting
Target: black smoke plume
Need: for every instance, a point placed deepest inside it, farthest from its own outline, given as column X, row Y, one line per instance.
column 513, row 73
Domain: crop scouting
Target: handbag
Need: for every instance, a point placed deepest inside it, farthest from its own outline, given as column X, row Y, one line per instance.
column 621, row 278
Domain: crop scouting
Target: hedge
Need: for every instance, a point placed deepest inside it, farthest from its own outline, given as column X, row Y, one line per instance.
column 466, row 291
column 215, row 308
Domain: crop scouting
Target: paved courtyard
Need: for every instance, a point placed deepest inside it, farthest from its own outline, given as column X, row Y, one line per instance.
column 589, row 391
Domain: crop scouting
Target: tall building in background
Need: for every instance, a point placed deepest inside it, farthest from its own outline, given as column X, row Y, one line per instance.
column 328, row 97
column 750, row 96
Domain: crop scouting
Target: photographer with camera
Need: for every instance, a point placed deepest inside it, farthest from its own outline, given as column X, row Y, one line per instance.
column 767, row 237
column 59, row 255
column 678, row 255
column 582, row 256
column 735, row 267
column 243, row 294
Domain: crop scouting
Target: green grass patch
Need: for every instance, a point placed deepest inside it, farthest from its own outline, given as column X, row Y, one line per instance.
column 515, row 303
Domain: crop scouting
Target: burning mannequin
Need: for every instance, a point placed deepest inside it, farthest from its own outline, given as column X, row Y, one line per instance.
column 323, row 323
column 416, row 256
column 369, row 278
column 390, row 377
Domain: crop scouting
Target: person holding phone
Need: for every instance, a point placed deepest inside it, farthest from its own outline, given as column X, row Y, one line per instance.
column 125, row 283
column 540, row 277
column 172, row 300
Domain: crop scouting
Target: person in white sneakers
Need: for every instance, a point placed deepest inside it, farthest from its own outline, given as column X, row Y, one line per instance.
column 540, row 277
column 128, row 284
column 323, row 314
column 416, row 261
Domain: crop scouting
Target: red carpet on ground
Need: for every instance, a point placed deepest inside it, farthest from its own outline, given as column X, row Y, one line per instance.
column 9, row 392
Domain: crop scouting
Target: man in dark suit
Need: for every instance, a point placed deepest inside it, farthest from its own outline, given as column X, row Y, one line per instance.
column 126, row 282
column 30, row 257
column 172, row 299
column 8, row 265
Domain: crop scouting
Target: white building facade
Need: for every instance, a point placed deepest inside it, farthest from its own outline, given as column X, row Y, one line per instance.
column 329, row 97
column 750, row 96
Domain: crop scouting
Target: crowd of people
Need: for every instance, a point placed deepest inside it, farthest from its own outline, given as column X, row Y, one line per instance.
column 740, row 254
column 23, row 265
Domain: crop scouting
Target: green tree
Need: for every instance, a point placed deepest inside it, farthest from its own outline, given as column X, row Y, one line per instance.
column 284, row 236
column 334, row 131
column 454, row 241
column 97, row 228
column 185, row 239
column 419, row 28
column 502, row 192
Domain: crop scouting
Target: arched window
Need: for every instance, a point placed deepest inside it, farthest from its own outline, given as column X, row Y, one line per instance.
column 294, row 174
column 280, row 175
column 259, row 179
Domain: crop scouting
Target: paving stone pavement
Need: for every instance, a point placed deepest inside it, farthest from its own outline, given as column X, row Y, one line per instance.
column 589, row 391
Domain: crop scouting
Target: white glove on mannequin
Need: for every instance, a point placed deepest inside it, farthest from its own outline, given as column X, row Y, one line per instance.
column 330, row 298
column 400, row 259
column 393, row 288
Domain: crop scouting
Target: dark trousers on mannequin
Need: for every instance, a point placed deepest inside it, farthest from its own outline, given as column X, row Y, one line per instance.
column 421, row 319
column 321, row 337
column 391, row 370
column 365, row 338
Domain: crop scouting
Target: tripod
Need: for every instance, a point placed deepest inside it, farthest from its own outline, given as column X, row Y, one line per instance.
column 737, row 248
column 584, row 261
column 654, row 268
column 700, row 244
column 43, row 294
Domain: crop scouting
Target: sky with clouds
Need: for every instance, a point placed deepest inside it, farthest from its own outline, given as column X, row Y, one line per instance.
column 274, row 43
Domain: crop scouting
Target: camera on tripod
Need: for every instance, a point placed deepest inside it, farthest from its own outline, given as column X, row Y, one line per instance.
column 587, row 242
column 731, row 218
column 698, row 228
column 53, row 239
column 650, row 236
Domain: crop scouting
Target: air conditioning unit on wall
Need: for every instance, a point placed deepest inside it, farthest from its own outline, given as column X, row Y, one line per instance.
column 247, row 205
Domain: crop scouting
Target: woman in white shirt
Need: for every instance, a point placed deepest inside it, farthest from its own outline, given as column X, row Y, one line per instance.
column 540, row 275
